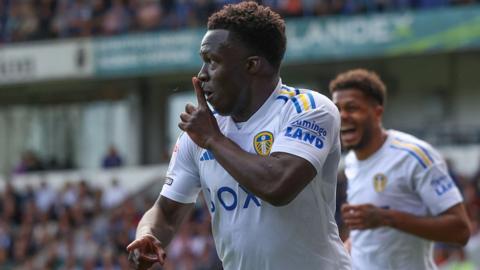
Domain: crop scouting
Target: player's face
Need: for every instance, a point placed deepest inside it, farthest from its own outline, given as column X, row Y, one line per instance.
column 359, row 118
column 223, row 73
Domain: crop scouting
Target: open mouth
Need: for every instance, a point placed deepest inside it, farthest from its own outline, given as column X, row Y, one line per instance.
column 348, row 133
column 347, row 130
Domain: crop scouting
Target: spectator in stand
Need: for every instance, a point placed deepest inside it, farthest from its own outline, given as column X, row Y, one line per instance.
column 3, row 18
column 28, row 195
column 59, row 25
column 203, row 9
column 45, row 13
column 179, row 251
column 86, row 198
column 148, row 15
column 29, row 163
column 21, row 22
column 117, row 19
column 10, row 204
column 476, row 179
column 99, row 9
column 6, row 241
column 183, row 14
column 168, row 16
column 64, row 224
column 86, row 248
column 114, row 195
column 112, row 159
column 68, row 195
column 45, row 197
column 291, row 8
column 79, row 215
column 79, row 17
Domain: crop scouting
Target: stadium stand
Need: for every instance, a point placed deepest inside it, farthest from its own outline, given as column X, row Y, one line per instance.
column 46, row 19
column 80, row 224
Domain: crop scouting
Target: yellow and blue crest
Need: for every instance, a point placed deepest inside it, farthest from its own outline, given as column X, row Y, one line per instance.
column 379, row 182
column 263, row 142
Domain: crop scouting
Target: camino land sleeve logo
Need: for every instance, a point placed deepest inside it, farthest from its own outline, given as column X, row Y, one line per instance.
column 263, row 142
column 379, row 182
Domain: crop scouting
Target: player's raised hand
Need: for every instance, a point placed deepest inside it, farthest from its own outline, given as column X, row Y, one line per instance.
column 363, row 216
column 145, row 251
column 199, row 122
column 202, row 102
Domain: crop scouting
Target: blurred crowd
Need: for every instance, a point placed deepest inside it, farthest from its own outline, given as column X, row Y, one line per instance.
column 26, row 20
column 83, row 227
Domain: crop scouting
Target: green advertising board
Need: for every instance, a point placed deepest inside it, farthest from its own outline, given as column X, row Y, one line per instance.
column 309, row 40
column 384, row 34
column 137, row 54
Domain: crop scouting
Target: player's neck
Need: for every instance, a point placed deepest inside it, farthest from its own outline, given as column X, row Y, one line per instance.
column 376, row 142
column 259, row 93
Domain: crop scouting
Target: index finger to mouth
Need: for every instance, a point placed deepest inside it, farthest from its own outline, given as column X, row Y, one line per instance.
column 202, row 102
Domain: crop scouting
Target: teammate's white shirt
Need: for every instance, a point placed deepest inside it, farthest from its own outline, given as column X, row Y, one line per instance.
column 251, row 234
column 408, row 175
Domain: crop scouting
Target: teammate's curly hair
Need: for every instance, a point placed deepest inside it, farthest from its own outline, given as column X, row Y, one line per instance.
column 368, row 82
column 258, row 27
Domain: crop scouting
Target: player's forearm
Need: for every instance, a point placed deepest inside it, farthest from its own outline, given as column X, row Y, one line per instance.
column 444, row 228
column 163, row 219
column 263, row 176
column 153, row 223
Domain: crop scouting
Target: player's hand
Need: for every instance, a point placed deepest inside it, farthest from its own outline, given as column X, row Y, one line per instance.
column 199, row 122
column 363, row 216
column 145, row 251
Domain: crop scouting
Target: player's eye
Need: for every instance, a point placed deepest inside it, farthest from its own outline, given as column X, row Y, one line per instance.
column 206, row 58
column 351, row 108
column 212, row 63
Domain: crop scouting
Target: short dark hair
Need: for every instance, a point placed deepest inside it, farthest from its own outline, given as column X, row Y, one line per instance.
column 258, row 27
column 366, row 81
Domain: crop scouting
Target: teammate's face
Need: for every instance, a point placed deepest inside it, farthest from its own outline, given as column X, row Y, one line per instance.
column 359, row 116
column 223, row 73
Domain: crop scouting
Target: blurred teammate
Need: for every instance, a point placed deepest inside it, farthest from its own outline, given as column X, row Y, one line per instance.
column 400, row 196
column 266, row 161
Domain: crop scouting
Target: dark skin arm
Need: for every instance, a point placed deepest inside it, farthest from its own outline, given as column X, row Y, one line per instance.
column 155, row 231
column 276, row 179
column 451, row 226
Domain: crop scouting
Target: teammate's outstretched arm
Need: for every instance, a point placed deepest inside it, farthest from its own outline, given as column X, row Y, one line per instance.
column 451, row 226
column 276, row 179
column 155, row 231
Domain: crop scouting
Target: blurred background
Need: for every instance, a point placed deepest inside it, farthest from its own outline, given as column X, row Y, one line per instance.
column 91, row 90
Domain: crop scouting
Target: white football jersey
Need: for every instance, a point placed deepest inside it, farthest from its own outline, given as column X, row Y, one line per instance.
column 249, row 233
column 408, row 175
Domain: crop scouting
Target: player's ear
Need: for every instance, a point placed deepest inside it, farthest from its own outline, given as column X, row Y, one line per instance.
column 253, row 64
column 379, row 111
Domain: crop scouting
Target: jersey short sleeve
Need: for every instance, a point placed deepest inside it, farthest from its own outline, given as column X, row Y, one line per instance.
column 309, row 131
column 182, row 183
column 436, row 188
